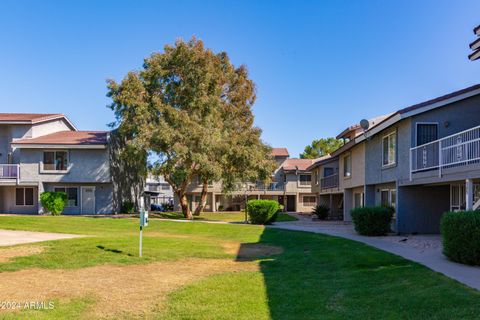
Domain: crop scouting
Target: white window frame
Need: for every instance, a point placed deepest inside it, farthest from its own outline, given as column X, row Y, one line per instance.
column 79, row 196
column 362, row 199
column 25, row 205
column 394, row 161
column 389, row 196
column 349, row 173
column 42, row 165
column 416, row 130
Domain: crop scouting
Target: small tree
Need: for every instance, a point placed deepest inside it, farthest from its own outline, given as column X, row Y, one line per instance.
column 54, row 202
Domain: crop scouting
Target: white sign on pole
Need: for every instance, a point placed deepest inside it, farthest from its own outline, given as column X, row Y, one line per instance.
column 143, row 222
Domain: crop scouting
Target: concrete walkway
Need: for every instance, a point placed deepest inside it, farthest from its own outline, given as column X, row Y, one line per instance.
column 424, row 249
column 11, row 237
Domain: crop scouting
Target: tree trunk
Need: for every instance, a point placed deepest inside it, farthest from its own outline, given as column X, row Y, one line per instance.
column 203, row 199
column 185, row 208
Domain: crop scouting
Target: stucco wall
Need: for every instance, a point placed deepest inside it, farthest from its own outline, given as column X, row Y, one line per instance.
column 451, row 119
column 375, row 172
column 103, row 197
column 84, row 166
column 7, row 202
column 44, row 128
column 357, row 177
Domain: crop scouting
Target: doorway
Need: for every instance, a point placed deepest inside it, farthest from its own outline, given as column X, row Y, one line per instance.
column 88, row 200
column 291, row 203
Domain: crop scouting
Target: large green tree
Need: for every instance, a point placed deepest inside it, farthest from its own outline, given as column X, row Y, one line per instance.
column 190, row 108
column 321, row 147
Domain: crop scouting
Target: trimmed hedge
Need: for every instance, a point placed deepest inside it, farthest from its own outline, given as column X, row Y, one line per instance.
column 461, row 236
column 321, row 211
column 262, row 211
column 54, row 202
column 372, row 221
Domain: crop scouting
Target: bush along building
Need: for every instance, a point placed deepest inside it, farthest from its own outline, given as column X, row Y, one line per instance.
column 46, row 152
column 290, row 186
column 422, row 160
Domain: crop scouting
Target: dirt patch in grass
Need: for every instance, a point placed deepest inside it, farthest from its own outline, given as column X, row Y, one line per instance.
column 119, row 291
column 7, row 254
column 250, row 251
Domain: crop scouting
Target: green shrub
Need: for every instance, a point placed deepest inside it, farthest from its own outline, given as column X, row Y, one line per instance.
column 54, row 202
column 321, row 211
column 262, row 211
column 128, row 207
column 372, row 221
column 461, row 236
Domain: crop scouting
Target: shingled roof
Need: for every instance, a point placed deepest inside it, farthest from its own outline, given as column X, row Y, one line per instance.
column 68, row 138
column 280, row 152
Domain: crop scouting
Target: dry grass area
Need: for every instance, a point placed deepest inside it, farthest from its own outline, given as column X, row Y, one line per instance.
column 6, row 254
column 133, row 290
column 122, row 291
column 250, row 251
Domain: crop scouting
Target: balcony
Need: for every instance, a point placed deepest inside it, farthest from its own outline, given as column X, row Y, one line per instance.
column 456, row 150
column 10, row 172
column 274, row 186
column 329, row 182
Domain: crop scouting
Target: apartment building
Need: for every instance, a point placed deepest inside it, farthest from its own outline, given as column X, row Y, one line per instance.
column 46, row 152
column 160, row 190
column 422, row 160
column 339, row 178
column 291, row 186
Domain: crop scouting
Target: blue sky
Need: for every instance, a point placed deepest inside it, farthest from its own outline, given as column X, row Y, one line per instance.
column 319, row 66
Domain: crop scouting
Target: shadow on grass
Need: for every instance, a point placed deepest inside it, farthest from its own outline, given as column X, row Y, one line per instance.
column 321, row 277
column 113, row 250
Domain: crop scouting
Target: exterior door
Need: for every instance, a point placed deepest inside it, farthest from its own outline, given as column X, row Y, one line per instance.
column 88, row 200
column 291, row 203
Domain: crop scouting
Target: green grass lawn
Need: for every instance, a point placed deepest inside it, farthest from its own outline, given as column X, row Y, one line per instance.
column 315, row 277
column 228, row 216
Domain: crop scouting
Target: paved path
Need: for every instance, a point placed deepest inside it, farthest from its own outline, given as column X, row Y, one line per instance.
column 424, row 249
column 10, row 237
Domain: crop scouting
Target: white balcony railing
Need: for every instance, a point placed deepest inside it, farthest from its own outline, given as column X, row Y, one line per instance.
column 10, row 171
column 330, row 181
column 455, row 150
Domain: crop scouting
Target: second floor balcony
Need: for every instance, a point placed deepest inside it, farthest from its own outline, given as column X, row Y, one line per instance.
column 9, row 172
column 329, row 182
column 456, row 150
column 273, row 186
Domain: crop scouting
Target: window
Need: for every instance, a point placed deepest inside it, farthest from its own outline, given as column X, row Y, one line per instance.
column 328, row 172
column 347, row 166
column 72, row 195
column 384, row 198
column 305, row 179
column 309, row 200
column 315, row 177
column 389, row 149
column 457, row 197
column 358, row 199
column 388, row 198
column 426, row 132
column 24, row 196
column 393, row 198
column 165, row 186
column 55, row 160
